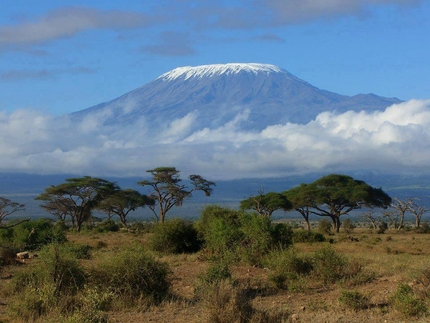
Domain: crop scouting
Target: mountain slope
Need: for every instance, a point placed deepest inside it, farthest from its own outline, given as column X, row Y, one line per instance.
column 215, row 94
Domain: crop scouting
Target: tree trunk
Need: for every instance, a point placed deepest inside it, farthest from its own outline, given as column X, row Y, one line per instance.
column 308, row 225
column 336, row 224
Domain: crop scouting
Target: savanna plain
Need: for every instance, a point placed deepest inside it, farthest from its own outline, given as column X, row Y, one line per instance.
column 209, row 271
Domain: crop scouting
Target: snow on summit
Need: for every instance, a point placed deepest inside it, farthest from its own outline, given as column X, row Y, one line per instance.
column 202, row 71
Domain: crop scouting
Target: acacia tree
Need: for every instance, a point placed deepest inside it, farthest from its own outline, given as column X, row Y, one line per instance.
column 168, row 191
column 266, row 204
column 335, row 195
column 396, row 216
column 122, row 202
column 302, row 199
column 417, row 211
column 77, row 198
column 8, row 207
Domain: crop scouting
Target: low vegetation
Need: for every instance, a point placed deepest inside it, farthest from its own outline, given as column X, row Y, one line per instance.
column 230, row 266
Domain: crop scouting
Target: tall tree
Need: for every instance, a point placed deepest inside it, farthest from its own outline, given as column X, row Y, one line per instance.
column 168, row 190
column 8, row 207
column 335, row 195
column 266, row 204
column 302, row 199
column 122, row 202
column 77, row 198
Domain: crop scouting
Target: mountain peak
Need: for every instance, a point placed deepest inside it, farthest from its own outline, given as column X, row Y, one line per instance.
column 202, row 71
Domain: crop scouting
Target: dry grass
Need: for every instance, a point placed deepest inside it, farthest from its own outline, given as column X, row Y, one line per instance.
column 394, row 258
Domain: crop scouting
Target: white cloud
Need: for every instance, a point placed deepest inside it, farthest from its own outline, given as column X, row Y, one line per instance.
column 67, row 22
column 396, row 140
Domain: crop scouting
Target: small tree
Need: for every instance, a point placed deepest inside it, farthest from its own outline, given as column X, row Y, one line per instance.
column 122, row 202
column 8, row 207
column 77, row 198
column 417, row 211
column 302, row 199
column 266, row 204
column 168, row 191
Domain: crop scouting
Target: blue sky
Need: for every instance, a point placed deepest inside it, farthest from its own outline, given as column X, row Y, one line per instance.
column 64, row 56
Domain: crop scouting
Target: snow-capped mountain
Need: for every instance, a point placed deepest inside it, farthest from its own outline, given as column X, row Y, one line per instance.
column 261, row 94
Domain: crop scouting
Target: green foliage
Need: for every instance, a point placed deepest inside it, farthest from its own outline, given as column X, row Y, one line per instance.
column 307, row 236
column 47, row 284
column 79, row 251
column 329, row 265
column 354, row 300
column 288, row 268
column 405, row 301
column 324, row 226
column 132, row 275
column 382, row 227
column 33, row 234
column 266, row 204
column 249, row 236
column 175, row 236
column 168, row 191
column 218, row 227
column 282, row 234
column 7, row 256
column 106, row 226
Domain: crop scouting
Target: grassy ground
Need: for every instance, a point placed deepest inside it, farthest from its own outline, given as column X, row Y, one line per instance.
column 394, row 258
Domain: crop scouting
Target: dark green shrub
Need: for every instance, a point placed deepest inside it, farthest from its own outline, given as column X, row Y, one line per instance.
column 34, row 234
column 106, row 226
column 354, row 300
column 141, row 227
column 405, row 301
column 288, row 268
column 257, row 238
column 282, row 234
column 175, row 236
column 80, row 251
column 248, row 236
column 7, row 256
column 307, row 236
column 328, row 265
column 133, row 276
column 382, row 227
column 220, row 229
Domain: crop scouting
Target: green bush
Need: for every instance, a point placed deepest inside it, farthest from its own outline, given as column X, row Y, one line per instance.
column 307, row 236
column 328, row 265
column 288, row 269
column 249, row 236
column 283, row 234
column 354, row 300
column 405, row 301
column 33, row 234
column 106, row 226
column 53, row 280
column 132, row 276
column 175, row 236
